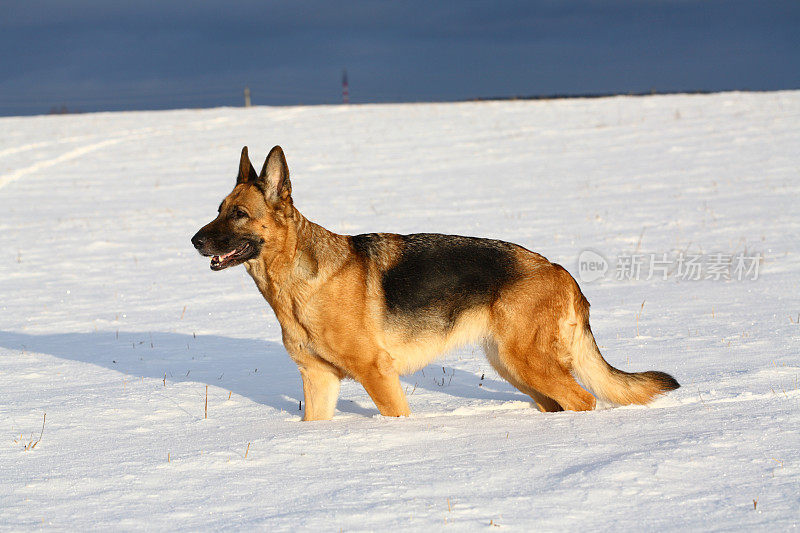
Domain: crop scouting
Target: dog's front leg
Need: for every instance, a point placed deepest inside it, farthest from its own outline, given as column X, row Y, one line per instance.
column 320, row 390
column 382, row 383
column 321, row 381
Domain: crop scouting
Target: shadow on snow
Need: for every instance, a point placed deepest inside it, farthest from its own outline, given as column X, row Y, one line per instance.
column 256, row 369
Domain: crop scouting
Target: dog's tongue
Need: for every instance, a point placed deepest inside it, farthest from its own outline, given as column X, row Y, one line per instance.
column 219, row 258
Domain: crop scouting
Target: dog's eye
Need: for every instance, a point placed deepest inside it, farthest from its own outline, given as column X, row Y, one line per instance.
column 238, row 213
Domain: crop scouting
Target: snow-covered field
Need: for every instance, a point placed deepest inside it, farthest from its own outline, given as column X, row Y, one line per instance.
column 114, row 327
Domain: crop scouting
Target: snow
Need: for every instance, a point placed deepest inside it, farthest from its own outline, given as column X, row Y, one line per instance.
column 114, row 327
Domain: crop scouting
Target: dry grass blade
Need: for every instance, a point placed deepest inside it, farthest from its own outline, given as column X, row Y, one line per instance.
column 637, row 317
column 32, row 444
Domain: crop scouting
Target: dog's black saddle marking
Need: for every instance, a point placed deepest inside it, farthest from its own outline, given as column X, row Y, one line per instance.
column 438, row 277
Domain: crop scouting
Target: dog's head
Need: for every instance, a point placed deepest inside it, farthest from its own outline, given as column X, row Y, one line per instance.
column 254, row 218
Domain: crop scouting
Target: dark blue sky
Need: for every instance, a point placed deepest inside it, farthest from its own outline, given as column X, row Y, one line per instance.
column 105, row 55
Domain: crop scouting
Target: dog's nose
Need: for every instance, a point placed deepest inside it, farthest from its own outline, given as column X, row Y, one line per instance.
column 198, row 241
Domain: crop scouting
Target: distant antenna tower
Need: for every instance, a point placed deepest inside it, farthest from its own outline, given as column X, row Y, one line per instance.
column 345, row 88
column 247, row 96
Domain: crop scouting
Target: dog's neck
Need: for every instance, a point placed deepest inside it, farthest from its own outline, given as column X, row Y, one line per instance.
column 310, row 254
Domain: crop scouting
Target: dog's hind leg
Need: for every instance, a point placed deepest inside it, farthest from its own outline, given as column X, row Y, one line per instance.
column 544, row 373
column 531, row 324
column 544, row 403
column 532, row 357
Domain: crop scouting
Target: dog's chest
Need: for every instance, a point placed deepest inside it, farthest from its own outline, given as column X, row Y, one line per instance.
column 293, row 309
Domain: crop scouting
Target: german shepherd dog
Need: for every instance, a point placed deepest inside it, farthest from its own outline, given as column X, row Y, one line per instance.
column 376, row 306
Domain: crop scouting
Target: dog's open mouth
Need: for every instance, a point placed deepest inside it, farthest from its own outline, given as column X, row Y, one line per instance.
column 234, row 257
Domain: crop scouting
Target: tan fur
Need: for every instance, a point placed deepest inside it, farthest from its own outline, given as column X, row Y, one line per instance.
column 607, row 382
column 332, row 312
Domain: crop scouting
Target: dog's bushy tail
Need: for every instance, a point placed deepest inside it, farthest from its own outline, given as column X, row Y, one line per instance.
column 605, row 381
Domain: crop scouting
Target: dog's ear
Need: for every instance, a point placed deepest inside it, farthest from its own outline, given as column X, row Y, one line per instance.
column 246, row 171
column 274, row 177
